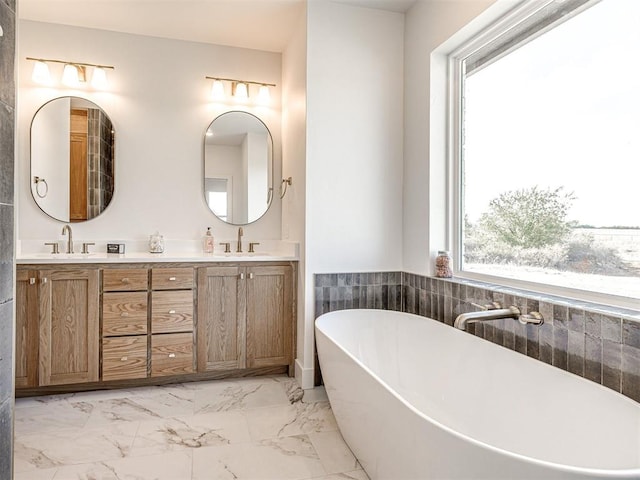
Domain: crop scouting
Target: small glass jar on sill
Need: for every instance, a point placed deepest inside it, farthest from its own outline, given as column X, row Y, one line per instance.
column 444, row 267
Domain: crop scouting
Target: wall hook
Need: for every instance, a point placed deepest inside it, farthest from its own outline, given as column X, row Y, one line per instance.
column 285, row 182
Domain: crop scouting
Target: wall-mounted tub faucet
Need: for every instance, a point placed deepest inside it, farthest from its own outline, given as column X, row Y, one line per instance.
column 67, row 230
column 493, row 312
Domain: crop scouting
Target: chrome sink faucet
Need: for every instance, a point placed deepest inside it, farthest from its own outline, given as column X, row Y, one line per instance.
column 240, row 233
column 67, row 230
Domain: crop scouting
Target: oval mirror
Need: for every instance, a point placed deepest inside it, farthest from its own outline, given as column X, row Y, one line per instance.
column 72, row 159
column 238, row 168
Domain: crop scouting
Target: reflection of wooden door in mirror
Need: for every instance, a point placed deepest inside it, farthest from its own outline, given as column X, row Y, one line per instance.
column 78, row 165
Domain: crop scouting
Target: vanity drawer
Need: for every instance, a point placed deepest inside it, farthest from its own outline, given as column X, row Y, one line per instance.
column 171, row 354
column 124, row 358
column 124, row 313
column 171, row 278
column 125, row 279
column 172, row 311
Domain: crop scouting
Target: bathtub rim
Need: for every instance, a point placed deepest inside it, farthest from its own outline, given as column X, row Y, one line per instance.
column 631, row 473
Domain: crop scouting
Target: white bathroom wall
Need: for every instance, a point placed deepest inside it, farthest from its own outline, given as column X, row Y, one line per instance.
column 354, row 145
column 160, row 106
column 428, row 24
column 294, row 124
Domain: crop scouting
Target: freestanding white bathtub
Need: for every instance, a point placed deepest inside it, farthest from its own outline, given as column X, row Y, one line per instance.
column 417, row 399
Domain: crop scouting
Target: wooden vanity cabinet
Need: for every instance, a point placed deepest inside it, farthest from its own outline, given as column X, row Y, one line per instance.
column 57, row 326
column 172, row 321
column 245, row 317
column 27, row 313
column 269, row 316
column 69, row 326
column 221, row 313
column 79, row 324
column 125, row 323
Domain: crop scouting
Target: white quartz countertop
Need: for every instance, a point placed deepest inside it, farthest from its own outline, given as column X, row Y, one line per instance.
column 144, row 257
column 276, row 251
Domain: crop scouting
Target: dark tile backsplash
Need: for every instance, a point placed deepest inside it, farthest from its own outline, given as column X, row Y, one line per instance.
column 597, row 342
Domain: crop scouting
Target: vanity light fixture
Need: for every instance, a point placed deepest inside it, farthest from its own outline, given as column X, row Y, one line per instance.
column 99, row 78
column 73, row 75
column 240, row 89
column 264, row 95
column 217, row 90
column 41, row 73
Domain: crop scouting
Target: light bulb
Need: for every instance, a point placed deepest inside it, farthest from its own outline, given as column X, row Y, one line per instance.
column 264, row 95
column 41, row 73
column 99, row 79
column 217, row 90
column 240, row 90
column 70, row 75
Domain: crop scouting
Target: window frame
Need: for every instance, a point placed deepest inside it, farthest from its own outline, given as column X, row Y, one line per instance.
column 454, row 104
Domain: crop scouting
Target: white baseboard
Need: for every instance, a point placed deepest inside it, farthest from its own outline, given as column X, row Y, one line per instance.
column 304, row 376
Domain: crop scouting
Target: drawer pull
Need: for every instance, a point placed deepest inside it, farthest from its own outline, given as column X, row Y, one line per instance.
column 172, row 355
column 44, row 280
column 251, row 276
column 124, row 359
column 242, row 276
column 32, row 281
column 126, row 280
column 172, row 279
column 124, row 314
column 172, row 311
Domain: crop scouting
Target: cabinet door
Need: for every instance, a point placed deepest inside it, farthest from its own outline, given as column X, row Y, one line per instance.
column 221, row 313
column 269, row 316
column 69, row 326
column 26, row 329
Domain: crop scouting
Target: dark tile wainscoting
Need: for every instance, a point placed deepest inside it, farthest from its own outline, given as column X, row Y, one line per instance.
column 599, row 343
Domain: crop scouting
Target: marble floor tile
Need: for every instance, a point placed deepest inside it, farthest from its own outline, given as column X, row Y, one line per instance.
column 72, row 446
column 51, row 416
column 138, row 409
column 335, row 455
column 289, row 458
column 286, row 420
column 196, row 431
column 239, row 396
column 243, row 429
column 355, row 475
column 172, row 466
column 46, row 474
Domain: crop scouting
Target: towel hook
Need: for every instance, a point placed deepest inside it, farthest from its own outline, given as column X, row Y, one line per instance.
column 285, row 182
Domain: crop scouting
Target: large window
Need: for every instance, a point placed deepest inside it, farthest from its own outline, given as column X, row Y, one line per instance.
column 546, row 148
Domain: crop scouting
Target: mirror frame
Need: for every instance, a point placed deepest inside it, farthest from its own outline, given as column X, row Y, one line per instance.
column 32, row 189
column 204, row 160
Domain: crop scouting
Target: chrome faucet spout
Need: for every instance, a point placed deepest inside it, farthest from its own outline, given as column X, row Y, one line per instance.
column 240, row 233
column 472, row 317
column 66, row 230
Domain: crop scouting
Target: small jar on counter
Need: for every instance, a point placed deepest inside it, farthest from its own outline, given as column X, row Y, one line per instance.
column 443, row 265
column 156, row 243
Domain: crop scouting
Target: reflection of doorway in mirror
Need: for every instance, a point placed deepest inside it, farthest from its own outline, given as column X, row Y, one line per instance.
column 219, row 195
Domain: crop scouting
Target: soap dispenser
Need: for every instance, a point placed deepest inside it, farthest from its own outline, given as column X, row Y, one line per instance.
column 207, row 241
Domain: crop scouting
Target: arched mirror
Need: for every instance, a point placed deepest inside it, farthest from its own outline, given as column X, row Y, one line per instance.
column 72, row 159
column 238, row 168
